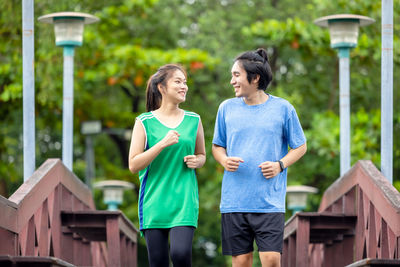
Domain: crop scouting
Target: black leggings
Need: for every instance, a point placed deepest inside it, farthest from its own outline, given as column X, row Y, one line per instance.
column 180, row 246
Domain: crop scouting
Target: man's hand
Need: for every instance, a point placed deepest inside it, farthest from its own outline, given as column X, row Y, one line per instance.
column 270, row 169
column 231, row 164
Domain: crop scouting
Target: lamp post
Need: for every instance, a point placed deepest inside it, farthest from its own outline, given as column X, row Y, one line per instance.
column 68, row 28
column 297, row 196
column 113, row 192
column 387, row 90
column 90, row 128
column 28, row 82
column 343, row 29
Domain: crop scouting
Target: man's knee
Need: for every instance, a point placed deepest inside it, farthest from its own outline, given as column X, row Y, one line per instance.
column 242, row 260
column 270, row 259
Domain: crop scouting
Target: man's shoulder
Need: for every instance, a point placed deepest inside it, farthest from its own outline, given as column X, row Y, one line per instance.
column 283, row 103
column 279, row 100
column 230, row 102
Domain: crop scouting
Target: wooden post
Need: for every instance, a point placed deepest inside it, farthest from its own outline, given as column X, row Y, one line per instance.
column 371, row 250
column 292, row 251
column 113, row 242
column 285, row 254
column 302, row 241
column 360, row 227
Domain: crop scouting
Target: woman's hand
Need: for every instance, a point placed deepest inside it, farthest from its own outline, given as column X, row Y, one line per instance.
column 191, row 161
column 171, row 138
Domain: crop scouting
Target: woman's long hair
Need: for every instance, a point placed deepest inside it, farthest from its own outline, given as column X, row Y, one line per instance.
column 153, row 95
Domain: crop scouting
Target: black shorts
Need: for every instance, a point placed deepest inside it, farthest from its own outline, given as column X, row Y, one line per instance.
column 239, row 230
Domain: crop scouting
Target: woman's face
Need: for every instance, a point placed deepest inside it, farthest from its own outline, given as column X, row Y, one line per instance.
column 176, row 88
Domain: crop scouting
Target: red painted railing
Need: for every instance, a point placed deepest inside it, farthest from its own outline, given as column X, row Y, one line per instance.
column 366, row 210
column 32, row 222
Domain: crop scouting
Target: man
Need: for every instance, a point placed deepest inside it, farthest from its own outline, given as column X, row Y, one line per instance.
column 251, row 138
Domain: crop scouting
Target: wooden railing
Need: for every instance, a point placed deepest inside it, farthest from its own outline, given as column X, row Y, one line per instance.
column 33, row 223
column 364, row 195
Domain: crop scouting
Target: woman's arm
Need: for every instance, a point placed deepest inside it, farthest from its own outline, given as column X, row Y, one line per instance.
column 199, row 158
column 140, row 159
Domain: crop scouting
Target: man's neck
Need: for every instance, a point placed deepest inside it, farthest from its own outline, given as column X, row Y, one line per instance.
column 256, row 98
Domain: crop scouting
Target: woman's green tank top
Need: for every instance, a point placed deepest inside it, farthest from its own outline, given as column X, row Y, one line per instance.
column 168, row 195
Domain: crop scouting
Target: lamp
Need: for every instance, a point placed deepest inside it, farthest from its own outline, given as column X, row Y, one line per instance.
column 91, row 127
column 113, row 192
column 297, row 196
column 343, row 30
column 68, row 28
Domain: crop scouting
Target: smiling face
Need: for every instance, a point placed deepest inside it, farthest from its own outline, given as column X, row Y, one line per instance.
column 240, row 83
column 176, row 87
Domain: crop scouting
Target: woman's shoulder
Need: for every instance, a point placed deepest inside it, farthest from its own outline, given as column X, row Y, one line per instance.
column 145, row 116
column 191, row 114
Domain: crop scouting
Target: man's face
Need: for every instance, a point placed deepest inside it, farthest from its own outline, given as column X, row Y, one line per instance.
column 240, row 83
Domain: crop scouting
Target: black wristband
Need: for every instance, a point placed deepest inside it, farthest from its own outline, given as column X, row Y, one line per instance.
column 281, row 164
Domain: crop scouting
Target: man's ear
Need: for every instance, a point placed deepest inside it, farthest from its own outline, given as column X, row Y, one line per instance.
column 256, row 79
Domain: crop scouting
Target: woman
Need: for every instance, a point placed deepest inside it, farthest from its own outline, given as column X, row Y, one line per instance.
column 167, row 145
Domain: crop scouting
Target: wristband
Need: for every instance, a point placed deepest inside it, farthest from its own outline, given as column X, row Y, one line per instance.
column 281, row 164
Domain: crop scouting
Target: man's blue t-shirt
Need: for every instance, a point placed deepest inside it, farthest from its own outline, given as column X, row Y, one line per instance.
column 256, row 133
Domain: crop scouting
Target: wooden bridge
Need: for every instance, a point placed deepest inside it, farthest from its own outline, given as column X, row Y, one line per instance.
column 51, row 220
column 358, row 223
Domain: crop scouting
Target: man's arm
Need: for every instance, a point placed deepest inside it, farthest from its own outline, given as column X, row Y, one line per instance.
column 294, row 155
column 271, row 169
column 229, row 163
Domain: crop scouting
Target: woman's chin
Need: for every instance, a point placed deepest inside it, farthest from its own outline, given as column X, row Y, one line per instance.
column 181, row 100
